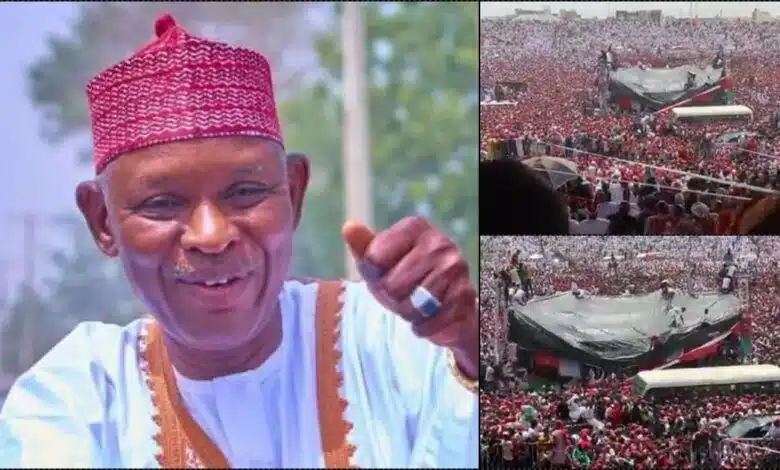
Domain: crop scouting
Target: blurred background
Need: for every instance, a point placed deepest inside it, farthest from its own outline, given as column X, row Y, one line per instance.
column 382, row 96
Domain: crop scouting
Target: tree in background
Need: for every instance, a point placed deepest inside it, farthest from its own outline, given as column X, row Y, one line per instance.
column 106, row 32
column 87, row 289
column 422, row 69
column 28, row 304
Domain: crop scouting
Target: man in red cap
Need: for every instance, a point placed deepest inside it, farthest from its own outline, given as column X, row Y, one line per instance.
column 240, row 366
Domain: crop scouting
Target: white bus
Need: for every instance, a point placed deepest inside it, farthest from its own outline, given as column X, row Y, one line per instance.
column 711, row 113
column 659, row 383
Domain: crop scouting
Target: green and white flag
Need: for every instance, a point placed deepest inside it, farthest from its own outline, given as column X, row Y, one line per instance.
column 580, row 456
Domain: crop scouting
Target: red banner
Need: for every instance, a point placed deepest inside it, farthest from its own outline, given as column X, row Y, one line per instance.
column 702, row 352
column 543, row 360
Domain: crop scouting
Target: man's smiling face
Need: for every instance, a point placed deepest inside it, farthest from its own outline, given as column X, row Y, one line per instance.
column 203, row 229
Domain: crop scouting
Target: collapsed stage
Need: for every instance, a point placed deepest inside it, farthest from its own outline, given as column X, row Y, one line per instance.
column 618, row 333
column 656, row 89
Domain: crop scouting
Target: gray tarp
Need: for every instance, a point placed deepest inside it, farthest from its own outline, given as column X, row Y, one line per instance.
column 733, row 136
column 657, row 88
column 750, row 424
column 620, row 328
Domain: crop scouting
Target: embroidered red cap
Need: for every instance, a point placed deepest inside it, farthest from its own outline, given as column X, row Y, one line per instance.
column 176, row 88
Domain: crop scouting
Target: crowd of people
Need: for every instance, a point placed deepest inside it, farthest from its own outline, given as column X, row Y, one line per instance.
column 556, row 63
column 615, row 429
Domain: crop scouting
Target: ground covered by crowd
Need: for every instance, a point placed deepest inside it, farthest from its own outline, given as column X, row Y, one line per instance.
column 556, row 63
column 614, row 429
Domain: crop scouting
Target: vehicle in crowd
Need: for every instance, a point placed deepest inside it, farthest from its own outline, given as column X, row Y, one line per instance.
column 741, row 379
column 706, row 114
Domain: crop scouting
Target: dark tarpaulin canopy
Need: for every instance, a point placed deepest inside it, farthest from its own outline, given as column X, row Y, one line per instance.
column 619, row 331
column 658, row 88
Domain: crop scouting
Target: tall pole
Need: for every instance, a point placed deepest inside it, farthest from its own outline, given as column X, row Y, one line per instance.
column 5, row 310
column 3, row 286
column 355, row 140
column 26, row 337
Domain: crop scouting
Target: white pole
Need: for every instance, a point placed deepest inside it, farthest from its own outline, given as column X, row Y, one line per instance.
column 355, row 139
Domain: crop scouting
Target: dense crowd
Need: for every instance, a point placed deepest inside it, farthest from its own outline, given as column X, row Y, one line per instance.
column 616, row 430
column 557, row 64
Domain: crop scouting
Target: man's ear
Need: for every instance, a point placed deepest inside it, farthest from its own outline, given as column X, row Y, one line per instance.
column 298, row 179
column 92, row 204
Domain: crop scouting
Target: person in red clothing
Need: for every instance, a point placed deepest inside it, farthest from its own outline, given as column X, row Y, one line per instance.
column 615, row 415
column 560, row 439
column 662, row 461
column 700, row 447
column 725, row 217
column 657, row 224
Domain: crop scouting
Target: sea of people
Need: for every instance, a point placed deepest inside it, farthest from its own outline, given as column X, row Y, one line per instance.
column 556, row 62
column 524, row 429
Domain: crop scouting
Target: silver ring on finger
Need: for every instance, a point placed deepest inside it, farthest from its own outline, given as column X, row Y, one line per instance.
column 425, row 302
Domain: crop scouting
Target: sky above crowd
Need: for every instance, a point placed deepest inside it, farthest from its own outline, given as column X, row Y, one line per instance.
column 604, row 9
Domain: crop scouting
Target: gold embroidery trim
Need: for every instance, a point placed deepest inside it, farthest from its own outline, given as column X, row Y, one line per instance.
column 334, row 428
column 469, row 384
column 183, row 444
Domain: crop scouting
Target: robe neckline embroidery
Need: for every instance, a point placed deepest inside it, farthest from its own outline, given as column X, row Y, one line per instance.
column 180, row 441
